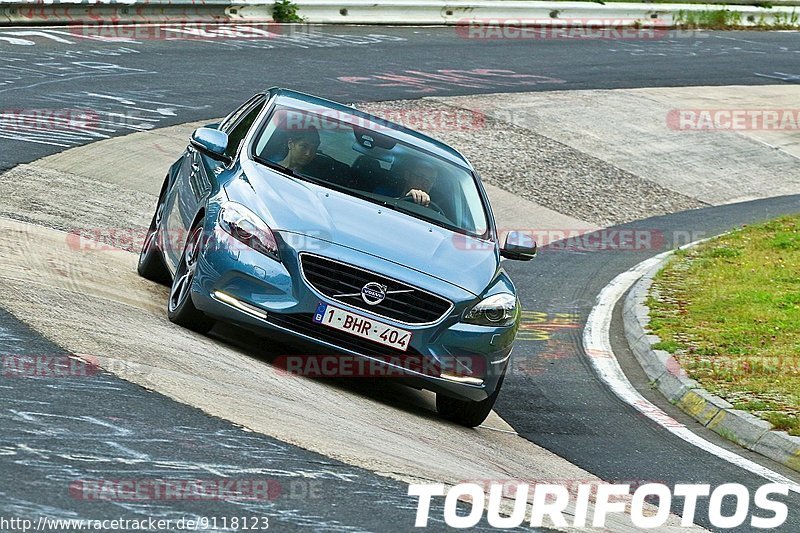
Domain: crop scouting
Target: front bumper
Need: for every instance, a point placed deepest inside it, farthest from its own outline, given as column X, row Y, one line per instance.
column 237, row 284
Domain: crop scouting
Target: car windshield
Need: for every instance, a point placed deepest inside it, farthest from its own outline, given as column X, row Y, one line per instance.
column 352, row 155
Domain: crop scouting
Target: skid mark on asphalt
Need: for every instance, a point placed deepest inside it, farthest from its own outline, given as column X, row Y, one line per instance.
column 23, row 65
column 23, row 70
column 237, row 36
column 782, row 76
column 427, row 82
column 77, row 117
column 693, row 43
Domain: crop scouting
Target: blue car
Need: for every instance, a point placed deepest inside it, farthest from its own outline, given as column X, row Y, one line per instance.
column 371, row 246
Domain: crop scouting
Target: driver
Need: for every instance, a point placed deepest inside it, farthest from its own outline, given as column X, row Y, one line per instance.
column 303, row 145
column 419, row 177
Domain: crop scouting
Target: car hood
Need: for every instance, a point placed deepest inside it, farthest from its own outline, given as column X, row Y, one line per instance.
column 292, row 205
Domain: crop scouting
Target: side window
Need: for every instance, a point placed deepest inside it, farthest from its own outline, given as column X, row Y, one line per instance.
column 231, row 119
column 238, row 126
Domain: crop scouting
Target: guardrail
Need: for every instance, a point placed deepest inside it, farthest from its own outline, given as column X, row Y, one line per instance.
column 439, row 12
column 393, row 12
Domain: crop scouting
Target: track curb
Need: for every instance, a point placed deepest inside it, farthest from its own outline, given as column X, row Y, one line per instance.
column 667, row 376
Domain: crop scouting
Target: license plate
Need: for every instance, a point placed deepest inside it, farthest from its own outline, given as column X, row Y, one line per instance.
column 363, row 327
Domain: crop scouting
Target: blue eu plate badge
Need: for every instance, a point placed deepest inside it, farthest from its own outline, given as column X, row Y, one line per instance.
column 319, row 314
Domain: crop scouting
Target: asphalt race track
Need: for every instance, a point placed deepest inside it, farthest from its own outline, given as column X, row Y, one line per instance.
column 198, row 79
column 108, row 429
column 553, row 398
column 563, row 407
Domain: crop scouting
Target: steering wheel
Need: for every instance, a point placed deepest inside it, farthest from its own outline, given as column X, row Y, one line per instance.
column 431, row 204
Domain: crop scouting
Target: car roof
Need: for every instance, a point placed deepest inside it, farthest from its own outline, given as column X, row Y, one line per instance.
column 394, row 130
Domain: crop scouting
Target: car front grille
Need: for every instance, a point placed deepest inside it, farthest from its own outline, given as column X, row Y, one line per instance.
column 303, row 323
column 343, row 283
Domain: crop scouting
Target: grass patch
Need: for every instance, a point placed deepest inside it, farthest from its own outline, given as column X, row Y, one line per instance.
column 721, row 19
column 709, row 19
column 786, row 20
column 285, row 11
column 729, row 311
column 668, row 346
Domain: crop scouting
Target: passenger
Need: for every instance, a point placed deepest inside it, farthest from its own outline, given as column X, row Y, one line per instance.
column 302, row 148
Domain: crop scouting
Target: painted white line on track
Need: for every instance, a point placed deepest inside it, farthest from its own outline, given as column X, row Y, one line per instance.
column 597, row 344
column 38, row 33
column 18, row 42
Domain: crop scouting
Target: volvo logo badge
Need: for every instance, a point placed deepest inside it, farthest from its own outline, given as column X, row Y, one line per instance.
column 373, row 293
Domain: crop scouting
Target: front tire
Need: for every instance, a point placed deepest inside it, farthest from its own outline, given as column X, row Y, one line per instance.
column 467, row 412
column 180, row 307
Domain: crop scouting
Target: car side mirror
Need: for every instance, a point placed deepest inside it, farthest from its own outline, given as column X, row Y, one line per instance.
column 518, row 245
column 210, row 141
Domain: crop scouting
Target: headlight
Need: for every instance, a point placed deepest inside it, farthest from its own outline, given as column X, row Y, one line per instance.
column 497, row 310
column 247, row 228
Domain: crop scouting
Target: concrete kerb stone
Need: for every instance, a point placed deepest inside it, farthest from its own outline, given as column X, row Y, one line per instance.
column 712, row 411
column 673, row 384
column 701, row 405
column 780, row 444
column 740, row 427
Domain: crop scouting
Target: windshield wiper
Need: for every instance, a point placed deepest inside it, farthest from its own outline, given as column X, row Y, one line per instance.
column 279, row 167
column 398, row 205
column 437, row 220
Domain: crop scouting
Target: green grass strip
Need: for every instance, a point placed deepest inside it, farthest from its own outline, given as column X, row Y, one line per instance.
column 729, row 310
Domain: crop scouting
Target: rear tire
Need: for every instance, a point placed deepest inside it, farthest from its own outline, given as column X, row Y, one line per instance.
column 151, row 263
column 467, row 412
column 180, row 307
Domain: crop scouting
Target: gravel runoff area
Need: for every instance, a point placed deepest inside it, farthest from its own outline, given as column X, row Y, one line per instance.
column 536, row 167
column 59, row 200
column 511, row 157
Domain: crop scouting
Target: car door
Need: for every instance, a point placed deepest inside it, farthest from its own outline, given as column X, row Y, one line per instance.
column 178, row 209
